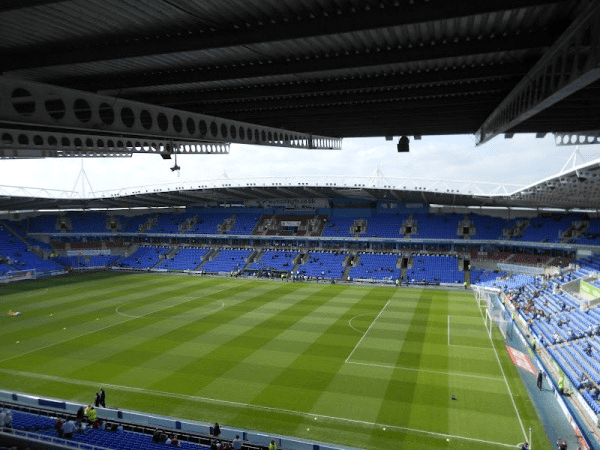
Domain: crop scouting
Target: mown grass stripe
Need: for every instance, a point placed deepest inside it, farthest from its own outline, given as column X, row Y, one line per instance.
column 312, row 372
column 302, row 363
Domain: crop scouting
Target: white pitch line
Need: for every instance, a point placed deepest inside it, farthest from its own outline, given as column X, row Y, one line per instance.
column 367, row 332
column 91, row 332
column 448, row 329
column 512, row 399
column 391, row 367
column 255, row 407
column 356, row 317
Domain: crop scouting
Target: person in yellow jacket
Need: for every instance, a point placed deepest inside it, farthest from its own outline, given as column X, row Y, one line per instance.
column 92, row 415
column 272, row 445
column 561, row 385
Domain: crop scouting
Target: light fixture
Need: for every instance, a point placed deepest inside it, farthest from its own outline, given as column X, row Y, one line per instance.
column 403, row 145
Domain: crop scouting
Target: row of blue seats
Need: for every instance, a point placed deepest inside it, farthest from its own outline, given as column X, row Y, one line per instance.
column 44, row 426
column 447, row 226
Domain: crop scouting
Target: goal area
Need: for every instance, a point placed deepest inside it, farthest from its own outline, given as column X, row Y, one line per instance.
column 493, row 312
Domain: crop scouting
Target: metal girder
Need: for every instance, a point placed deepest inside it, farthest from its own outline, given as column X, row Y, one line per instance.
column 29, row 143
column 298, row 64
column 572, row 63
column 10, row 5
column 371, row 96
column 328, row 22
column 581, row 138
column 27, row 104
column 489, row 73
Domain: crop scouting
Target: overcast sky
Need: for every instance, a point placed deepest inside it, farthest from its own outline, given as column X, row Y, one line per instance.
column 521, row 160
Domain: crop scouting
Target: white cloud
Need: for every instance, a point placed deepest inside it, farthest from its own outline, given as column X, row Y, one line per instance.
column 521, row 160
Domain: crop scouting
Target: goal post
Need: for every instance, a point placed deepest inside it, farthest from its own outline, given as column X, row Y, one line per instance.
column 493, row 312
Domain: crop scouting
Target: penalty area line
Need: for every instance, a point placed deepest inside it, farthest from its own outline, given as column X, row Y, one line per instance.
column 367, row 332
column 255, row 407
column 412, row 369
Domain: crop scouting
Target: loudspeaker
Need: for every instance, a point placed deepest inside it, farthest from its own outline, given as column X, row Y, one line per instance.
column 403, row 145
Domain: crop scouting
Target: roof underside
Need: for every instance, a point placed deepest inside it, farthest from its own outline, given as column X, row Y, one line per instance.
column 337, row 68
column 340, row 68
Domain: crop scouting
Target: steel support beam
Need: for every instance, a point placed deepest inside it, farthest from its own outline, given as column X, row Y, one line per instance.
column 61, row 144
column 11, row 5
column 28, row 105
column 571, row 64
column 373, row 96
column 582, row 138
column 307, row 63
column 489, row 73
column 324, row 23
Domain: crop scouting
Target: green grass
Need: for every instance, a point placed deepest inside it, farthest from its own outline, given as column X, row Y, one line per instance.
column 368, row 367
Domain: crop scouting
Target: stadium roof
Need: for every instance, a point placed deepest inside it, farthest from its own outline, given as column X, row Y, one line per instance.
column 123, row 76
column 338, row 68
column 577, row 188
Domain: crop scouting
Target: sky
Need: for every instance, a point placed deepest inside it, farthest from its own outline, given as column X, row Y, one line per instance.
column 521, row 160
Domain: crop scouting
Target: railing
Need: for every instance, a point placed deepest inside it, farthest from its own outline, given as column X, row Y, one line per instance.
column 29, row 438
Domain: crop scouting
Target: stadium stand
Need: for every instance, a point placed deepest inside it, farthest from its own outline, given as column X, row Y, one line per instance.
column 562, row 321
column 144, row 258
column 87, row 261
column 570, row 335
column 184, row 259
column 274, row 260
column 44, row 427
column 323, row 264
column 15, row 254
column 377, row 267
column 227, row 261
column 435, row 269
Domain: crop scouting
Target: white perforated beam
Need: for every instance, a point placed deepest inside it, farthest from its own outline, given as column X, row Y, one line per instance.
column 582, row 138
column 25, row 104
column 572, row 63
column 16, row 143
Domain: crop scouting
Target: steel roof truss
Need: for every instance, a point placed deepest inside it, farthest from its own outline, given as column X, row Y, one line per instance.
column 572, row 63
column 28, row 104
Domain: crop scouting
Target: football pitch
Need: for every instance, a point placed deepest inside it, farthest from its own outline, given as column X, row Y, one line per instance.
column 358, row 366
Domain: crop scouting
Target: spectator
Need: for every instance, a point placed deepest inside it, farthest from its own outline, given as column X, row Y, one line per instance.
column 156, row 436
column 272, row 445
column 102, row 398
column 175, row 441
column 237, row 443
column 68, row 428
column 216, row 430
column 80, row 416
column 8, row 419
column 92, row 415
column 58, row 426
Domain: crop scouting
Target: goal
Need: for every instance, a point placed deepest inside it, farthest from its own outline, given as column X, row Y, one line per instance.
column 493, row 312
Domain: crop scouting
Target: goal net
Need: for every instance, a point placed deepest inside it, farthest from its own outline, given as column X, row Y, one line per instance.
column 493, row 312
